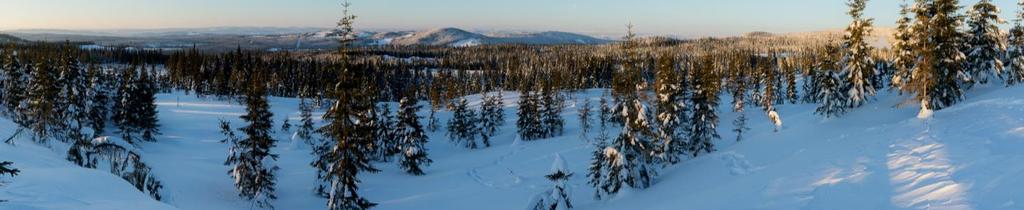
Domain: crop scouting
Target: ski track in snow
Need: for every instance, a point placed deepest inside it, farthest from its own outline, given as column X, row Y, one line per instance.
column 922, row 177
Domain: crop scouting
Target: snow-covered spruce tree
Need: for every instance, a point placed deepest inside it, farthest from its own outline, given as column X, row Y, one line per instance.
column 492, row 116
column 529, row 121
column 556, row 198
column 938, row 71
column 669, row 143
column 738, row 90
column 134, row 111
column 42, row 108
column 13, row 81
column 857, row 63
column 73, row 95
column 584, row 113
column 606, row 168
column 462, row 127
column 349, row 142
column 248, row 157
column 831, row 95
column 634, row 146
column 704, row 120
column 432, row 122
column 148, row 122
column 411, row 138
column 124, row 161
column 985, row 56
column 903, row 50
column 551, row 106
column 384, row 127
column 286, row 125
column 306, row 129
column 6, row 168
column 1014, row 70
column 604, row 112
column 99, row 101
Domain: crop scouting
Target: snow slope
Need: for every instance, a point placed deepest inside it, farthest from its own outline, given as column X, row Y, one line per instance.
column 876, row 157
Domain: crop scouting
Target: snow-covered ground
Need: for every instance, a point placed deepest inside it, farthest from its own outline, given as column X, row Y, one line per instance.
column 876, row 157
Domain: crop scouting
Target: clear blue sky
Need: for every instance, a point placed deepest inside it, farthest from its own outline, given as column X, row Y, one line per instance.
column 663, row 17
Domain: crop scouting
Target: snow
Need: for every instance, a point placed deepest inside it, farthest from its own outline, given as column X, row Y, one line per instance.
column 467, row 43
column 875, row 157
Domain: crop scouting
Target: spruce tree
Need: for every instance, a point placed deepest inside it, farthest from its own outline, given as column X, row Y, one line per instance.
column 411, row 138
column 492, row 116
column 248, row 156
column 1014, row 70
column 558, row 197
column 551, row 106
column 584, row 114
column 529, row 121
column 384, row 127
column 669, row 106
column 99, row 101
column 6, row 168
column 831, row 95
column 14, row 80
column 462, row 126
column 604, row 112
column 306, row 129
column 42, row 107
column 985, row 39
column 630, row 156
column 350, row 138
column 938, row 70
column 857, row 63
column 148, row 121
column 704, row 120
column 903, row 50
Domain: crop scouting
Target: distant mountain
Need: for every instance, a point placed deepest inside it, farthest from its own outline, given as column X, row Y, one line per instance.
column 272, row 38
column 4, row 38
column 460, row 38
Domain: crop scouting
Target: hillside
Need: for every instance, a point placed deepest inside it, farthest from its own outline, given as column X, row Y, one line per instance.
column 876, row 157
column 461, row 38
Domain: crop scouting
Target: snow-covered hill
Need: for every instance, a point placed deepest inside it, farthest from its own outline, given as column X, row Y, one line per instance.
column 876, row 157
column 461, row 38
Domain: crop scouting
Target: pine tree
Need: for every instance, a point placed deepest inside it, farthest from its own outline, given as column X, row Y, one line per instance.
column 411, row 138
column 857, row 63
column 669, row 105
column 903, row 50
column 558, row 197
column 248, row 156
column 985, row 56
column 462, row 126
column 1014, row 70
